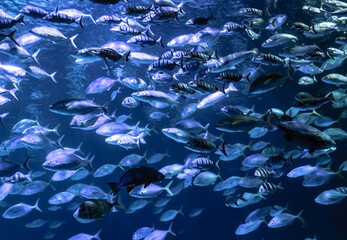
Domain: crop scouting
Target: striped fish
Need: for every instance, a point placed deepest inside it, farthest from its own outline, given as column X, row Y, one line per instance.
column 203, row 164
column 278, row 162
column 262, row 173
column 202, row 145
column 268, row 188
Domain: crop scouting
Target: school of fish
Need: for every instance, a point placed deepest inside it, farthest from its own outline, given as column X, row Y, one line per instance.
column 143, row 88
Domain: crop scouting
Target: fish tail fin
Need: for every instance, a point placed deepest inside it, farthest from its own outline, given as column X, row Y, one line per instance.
column 11, row 36
column 291, row 160
column 58, row 142
column 126, row 56
column 72, row 40
column 79, row 21
column 105, row 107
column 55, row 129
column 120, row 166
column 287, row 63
column 36, row 206
column 34, row 56
column 270, row 119
column 160, row 42
column 339, row 173
column 91, row 18
column 174, row 76
column 221, row 137
column 170, row 230
column 316, row 113
column 261, row 196
column 180, row 210
column 145, row 156
column 167, row 188
column 51, row 185
column 114, row 187
column 89, row 163
column 96, row 236
column 300, row 218
column 150, row 30
column 2, row 116
column 218, row 165
column 28, row 176
column 211, row 16
column 78, row 149
column 206, row 127
column 138, row 142
column 52, row 77
column 180, row 8
column 222, row 148
column 26, row 163
column 20, row 18
column 331, row 97
column 12, row 91
column 279, row 186
column 289, row 76
column 215, row 55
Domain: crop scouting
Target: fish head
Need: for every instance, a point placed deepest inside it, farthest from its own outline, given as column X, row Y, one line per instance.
column 274, row 222
column 104, row 129
column 50, row 164
column 329, row 142
column 31, row 139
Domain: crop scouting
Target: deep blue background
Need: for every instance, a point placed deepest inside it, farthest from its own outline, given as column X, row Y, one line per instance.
column 217, row 221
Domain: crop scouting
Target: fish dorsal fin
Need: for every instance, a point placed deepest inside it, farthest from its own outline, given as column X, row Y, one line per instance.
column 129, row 188
column 303, row 95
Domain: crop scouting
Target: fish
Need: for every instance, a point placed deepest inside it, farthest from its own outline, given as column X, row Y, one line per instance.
column 75, row 106
column 85, row 236
column 20, row 210
column 284, row 219
column 304, row 135
column 204, row 146
column 135, row 177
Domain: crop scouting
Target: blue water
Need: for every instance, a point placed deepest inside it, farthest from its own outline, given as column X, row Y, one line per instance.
column 217, row 221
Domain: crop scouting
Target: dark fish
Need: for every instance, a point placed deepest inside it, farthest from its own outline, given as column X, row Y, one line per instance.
column 200, row 20
column 203, row 86
column 62, row 18
column 172, row 54
column 262, row 173
column 227, row 77
column 94, row 209
column 10, row 36
column 277, row 162
column 33, row 11
column 8, row 168
column 267, row 82
column 109, row 53
column 163, row 64
column 76, row 106
column 300, row 26
column 204, row 146
column 238, row 123
column 6, row 23
column 136, row 10
column 181, row 88
column 305, row 101
column 251, row 12
column 135, row 177
column 203, row 164
column 200, row 56
column 301, row 133
column 269, row 59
